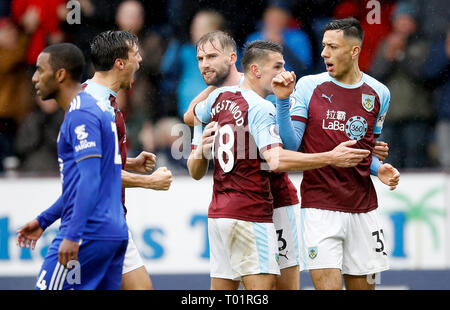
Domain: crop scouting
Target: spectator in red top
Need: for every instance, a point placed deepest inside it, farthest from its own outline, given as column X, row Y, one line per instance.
column 41, row 18
column 376, row 24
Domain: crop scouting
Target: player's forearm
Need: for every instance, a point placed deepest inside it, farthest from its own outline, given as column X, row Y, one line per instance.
column 291, row 132
column 189, row 117
column 86, row 197
column 197, row 164
column 49, row 216
column 280, row 160
column 130, row 164
column 133, row 180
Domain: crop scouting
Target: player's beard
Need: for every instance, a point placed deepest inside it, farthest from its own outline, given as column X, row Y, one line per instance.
column 219, row 78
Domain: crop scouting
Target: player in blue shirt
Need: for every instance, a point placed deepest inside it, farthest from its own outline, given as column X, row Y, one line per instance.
column 89, row 249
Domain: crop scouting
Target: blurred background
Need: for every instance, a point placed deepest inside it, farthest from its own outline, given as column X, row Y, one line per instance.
column 406, row 46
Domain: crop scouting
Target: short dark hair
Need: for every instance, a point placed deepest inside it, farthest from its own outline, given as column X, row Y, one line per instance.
column 350, row 26
column 222, row 37
column 66, row 56
column 109, row 45
column 258, row 49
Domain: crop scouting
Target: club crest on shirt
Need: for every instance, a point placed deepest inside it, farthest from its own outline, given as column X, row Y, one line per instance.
column 312, row 252
column 368, row 102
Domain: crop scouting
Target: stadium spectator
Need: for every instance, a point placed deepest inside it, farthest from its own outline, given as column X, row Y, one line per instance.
column 42, row 19
column 140, row 103
column 296, row 44
column 15, row 87
column 437, row 74
column 434, row 16
column 95, row 17
column 180, row 74
column 399, row 65
column 36, row 138
column 376, row 24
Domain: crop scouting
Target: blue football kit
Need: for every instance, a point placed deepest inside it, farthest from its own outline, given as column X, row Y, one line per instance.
column 90, row 204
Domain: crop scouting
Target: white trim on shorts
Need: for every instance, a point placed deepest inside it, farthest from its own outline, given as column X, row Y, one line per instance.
column 287, row 226
column 132, row 259
column 239, row 248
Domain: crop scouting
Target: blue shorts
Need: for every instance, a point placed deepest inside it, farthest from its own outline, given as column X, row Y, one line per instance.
column 99, row 267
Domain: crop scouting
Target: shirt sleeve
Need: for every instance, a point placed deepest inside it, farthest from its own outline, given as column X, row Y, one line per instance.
column 202, row 111
column 299, row 101
column 84, row 132
column 385, row 99
column 263, row 127
column 198, row 132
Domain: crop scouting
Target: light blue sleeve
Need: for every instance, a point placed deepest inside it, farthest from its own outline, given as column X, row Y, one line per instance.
column 202, row 111
column 262, row 125
column 300, row 97
column 385, row 98
column 198, row 132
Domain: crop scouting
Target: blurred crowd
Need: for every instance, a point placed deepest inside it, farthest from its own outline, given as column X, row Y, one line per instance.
column 406, row 46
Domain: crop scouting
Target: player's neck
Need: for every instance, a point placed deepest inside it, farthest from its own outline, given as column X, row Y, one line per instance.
column 233, row 78
column 251, row 83
column 354, row 76
column 67, row 93
column 107, row 79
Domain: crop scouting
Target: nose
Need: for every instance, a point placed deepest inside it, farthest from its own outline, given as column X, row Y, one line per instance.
column 324, row 53
column 34, row 78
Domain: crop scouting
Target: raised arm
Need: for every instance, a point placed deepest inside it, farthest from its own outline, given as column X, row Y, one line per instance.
column 189, row 117
column 199, row 159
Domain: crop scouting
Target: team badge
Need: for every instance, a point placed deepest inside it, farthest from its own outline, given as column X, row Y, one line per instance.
column 312, row 252
column 356, row 127
column 292, row 103
column 273, row 130
column 368, row 102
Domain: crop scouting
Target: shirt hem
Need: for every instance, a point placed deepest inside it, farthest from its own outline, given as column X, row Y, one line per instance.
column 341, row 209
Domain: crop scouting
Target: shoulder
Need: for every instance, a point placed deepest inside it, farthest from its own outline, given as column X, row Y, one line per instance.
column 377, row 86
column 308, row 83
column 86, row 106
column 218, row 91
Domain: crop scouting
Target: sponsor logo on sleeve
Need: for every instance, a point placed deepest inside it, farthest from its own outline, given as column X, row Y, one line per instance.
column 82, row 135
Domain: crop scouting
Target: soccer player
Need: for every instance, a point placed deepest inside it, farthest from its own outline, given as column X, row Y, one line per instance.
column 342, row 230
column 240, row 217
column 89, row 249
column 216, row 54
column 116, row 58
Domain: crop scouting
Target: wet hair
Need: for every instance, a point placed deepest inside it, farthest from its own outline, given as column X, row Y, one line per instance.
column 350, row 26
column 258, row 50
column 222, row 37
column 66, row 56
column 109, row 45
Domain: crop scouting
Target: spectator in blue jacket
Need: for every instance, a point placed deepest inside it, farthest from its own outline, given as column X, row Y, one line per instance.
column 437, row 73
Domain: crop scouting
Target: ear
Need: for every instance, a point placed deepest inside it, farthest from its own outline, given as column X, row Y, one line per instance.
column 119, row 63
column 233, row 58
column 254, row 69
column 356, row 50
column 61, row 75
